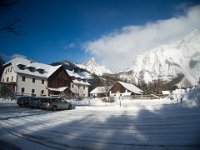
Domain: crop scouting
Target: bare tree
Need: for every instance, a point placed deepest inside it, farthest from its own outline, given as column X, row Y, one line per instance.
column 1, row 65
column 11, row 25
column 107, row 86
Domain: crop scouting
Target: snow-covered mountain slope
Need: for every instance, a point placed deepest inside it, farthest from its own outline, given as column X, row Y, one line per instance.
column 93, row 67
column 180, row 59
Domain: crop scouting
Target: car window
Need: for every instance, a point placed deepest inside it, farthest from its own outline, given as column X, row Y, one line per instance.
column 59, row 100
column 63, row 101
column 44, row 100
column 56, row 100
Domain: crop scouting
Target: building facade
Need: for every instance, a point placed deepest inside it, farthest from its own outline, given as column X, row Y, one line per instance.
column 79, row 85
column 31, row 85
column 38, row 79
column 124, row 89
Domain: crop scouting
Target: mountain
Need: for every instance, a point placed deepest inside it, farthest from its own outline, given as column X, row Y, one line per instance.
column 178, row 62
column 94, row 68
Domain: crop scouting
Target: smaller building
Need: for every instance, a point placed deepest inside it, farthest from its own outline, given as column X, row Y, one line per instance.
column 124, row 89
column 166, row 93
column 100, row 91
column 79, row 85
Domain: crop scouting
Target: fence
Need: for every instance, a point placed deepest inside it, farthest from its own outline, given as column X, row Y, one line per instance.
column 149, row 96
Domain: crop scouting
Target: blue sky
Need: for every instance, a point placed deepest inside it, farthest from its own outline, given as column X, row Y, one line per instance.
column 65, row 29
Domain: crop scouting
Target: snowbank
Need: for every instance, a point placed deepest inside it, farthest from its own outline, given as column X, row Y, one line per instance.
column 192, row 98
column 188, row 97
column 126, row 104
column 2, row 100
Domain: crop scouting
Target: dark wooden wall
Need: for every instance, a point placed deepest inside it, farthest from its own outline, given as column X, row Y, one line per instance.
column 117, row 88
column 59, row 78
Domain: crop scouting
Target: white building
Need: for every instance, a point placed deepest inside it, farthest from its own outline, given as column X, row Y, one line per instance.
column 30, row 77
column 124, row 89
column 79, row 84
column 100, row 91
column 33, row 78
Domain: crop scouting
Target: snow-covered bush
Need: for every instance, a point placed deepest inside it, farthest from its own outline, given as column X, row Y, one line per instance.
column 5, row 92
column 178, row 95
column 108, row 99
column 193, row 97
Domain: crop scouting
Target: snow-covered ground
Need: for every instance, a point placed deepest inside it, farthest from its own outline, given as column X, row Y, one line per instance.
column 137, row 124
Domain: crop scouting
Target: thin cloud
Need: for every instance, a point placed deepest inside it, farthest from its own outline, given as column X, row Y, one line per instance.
column 70, row 45
column 117, row 49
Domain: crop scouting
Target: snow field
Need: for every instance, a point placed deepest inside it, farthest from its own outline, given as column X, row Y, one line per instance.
column 125, row 124
column 168, row 126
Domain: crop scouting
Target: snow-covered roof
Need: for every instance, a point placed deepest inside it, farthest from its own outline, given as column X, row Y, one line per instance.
column 166, row 92
column 81, row 82
column 131, row 87
column 48, row 69
column 58, row 89
column 86, row 75
column 73, row 74
column 100, row 89
column 77, row 76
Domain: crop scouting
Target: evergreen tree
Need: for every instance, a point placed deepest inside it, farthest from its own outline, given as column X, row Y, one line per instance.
column 5, row 92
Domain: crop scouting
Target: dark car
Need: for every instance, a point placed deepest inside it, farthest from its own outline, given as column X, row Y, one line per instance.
column 24, row 101
column 55, row 104
column 35, row 102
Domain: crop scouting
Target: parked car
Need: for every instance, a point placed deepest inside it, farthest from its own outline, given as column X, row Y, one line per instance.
column 55, row 104
column 24, row 101
column 35, row 102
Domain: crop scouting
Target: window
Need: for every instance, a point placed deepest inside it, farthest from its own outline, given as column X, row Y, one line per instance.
column 33, row 80
column 78, row 86
column 6, row 71
column 22, row 90
column 7, row 79
column 23, row 78
column 33, row 91
column 84, row 87
column 40, row 70
column 42, row 92
column 31, row 69
column 72, row 86
column 42, row 81
column 12, row 78
column 63, row 101
column 11, row 69
column 21, row 66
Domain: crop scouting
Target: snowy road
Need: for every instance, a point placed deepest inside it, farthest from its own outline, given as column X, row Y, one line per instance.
column 168, row 127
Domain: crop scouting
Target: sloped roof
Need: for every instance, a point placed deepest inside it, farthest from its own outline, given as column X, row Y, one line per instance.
column 61, row 89
column 80, row 82
column 131, row 87
column 166, row 92
column 48, row 69
column 72, row 73
column 100, row 89
column 76, row 81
